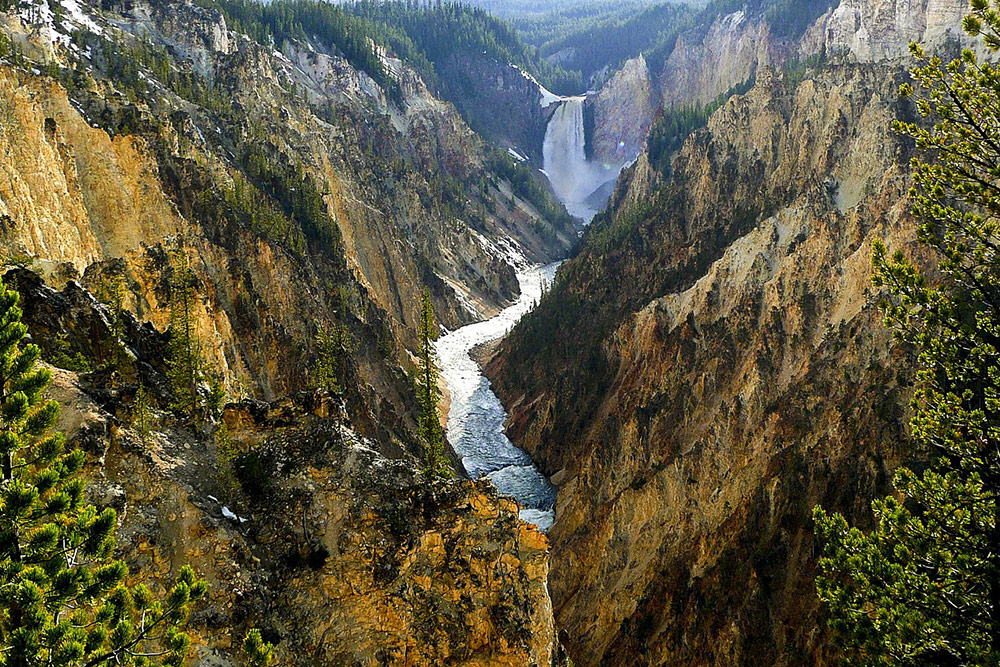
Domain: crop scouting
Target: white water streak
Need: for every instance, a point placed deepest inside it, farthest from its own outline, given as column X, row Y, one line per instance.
column 476, row 416
column 564, row 155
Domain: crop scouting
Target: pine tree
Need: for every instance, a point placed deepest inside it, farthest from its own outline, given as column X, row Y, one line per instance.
column 184, row 365
column 112, row 291
column 429, row 428
column 923, row 586
column 63, row 600
column 333, row 349
column 256, row 651
column 142, row 413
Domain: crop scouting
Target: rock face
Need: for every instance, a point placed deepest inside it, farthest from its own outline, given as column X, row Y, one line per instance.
column 710, row 367
column 873, row 30
column 622, row 113
column 708, row 62
column 501, row 102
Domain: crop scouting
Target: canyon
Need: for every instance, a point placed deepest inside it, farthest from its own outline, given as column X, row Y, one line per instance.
column 633, row 468
column 301, row 196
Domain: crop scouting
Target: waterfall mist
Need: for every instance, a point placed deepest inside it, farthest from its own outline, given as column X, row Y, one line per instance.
column 576, row 180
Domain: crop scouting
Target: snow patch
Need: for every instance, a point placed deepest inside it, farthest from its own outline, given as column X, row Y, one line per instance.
column 517, row 156
column 78, row 17
column 228, row 513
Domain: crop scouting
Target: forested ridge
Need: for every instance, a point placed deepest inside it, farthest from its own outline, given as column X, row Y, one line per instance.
column 590, row 38
column 421, row 34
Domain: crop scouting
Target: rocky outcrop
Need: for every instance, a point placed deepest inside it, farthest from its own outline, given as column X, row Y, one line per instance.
column 349, row 558
column 710, row 367
column 874, row 30
column 334, row 545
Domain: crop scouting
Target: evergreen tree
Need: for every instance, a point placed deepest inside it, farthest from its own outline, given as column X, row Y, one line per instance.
column 429, row 429
column 142, row 413
column 184, row 365
column 923, row 586
column 333, row 349
column 257, row 652
column 112, row 291
column 63, row 599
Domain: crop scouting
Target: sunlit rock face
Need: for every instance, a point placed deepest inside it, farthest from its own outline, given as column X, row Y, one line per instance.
column 875, row 30
column 623, row 111
column 704, row 65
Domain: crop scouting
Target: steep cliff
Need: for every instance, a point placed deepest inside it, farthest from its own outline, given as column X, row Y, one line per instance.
column 622, row 113
column 716, row 57
column 869, row 31
column 711, row 365
column 500, row 101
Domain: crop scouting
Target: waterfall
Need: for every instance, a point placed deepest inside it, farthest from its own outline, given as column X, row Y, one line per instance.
column 564, row 153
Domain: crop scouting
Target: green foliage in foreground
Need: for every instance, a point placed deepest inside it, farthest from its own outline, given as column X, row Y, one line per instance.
column 63, row 599
column 429, row 428
column 923, row 587
column 256, row 651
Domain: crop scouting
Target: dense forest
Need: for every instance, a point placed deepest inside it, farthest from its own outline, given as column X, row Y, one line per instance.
column 441, row 29
column 590, row 38
column 421, row 34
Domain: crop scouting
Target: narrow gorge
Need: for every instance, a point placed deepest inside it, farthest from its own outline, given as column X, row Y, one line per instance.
column 475, row 416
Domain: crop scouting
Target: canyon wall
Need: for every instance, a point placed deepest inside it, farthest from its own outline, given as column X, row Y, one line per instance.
column 623, row 112
column 499, row 100
column 712, row 364
column 402, row 195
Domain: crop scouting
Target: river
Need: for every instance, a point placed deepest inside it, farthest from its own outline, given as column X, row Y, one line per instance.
column 476, row 417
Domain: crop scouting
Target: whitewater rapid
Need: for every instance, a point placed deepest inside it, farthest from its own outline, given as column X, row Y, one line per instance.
column 476, row 416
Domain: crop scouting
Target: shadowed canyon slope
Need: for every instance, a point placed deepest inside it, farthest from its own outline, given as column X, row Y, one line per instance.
column 712, row 363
